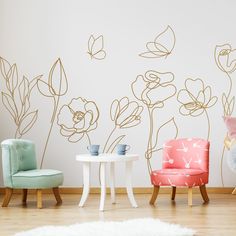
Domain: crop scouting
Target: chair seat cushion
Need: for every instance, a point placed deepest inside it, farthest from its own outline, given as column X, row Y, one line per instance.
column 179, row 177
column 37, row 179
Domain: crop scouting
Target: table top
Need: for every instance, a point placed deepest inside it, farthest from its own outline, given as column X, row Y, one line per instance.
column 106, row 157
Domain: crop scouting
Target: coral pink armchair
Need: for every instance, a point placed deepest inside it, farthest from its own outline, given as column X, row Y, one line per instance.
column 185, row 163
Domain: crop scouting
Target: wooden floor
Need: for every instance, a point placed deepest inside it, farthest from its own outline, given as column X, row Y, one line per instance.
column 216, row 218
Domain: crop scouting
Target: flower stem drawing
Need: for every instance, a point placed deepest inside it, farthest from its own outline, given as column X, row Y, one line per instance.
column 16, row 98
column 225, row 60
column 208, row 124
column 105, row 149
column 153, row 90
column 54, row 88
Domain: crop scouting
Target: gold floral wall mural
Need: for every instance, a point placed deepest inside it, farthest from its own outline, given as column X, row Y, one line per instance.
column 96, row 47
column 162, row 46
column 117, row 74
column 153, row 89
column 16, row 98
column 79, row 117
column 55, row 87
column 225, row 59
column 196, row 98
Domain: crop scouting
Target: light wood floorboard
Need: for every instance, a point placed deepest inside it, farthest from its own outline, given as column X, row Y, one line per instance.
column 218, row 217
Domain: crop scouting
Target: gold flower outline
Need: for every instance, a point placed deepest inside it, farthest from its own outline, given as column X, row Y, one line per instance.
column 225, row 59
column 54, row 88
column 77, row 119
column 153, row 90
column 196, row 98
column 125, row 114
column 147, row 88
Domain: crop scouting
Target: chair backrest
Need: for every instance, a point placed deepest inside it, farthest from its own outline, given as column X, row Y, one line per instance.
column 17, row 155
column 186, row 153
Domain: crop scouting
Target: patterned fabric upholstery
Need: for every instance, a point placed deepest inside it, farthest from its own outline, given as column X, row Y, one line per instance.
column 185, row 163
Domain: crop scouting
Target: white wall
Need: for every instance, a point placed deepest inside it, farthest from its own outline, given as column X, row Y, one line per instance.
column 33, row 34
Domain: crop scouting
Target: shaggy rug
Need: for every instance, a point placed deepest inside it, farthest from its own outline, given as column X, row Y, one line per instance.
column 136, row 227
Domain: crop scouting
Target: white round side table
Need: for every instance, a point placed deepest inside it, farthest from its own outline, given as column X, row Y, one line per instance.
column 104, row 159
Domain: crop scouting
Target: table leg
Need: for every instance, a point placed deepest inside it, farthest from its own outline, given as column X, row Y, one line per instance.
column 86, row 176
column 129, row 184
column 103, row 185
column 112, row 182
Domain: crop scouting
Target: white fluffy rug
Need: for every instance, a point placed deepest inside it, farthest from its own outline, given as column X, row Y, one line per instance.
column 137, row 227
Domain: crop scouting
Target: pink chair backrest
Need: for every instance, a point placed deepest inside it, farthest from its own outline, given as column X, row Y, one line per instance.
column 186, row 153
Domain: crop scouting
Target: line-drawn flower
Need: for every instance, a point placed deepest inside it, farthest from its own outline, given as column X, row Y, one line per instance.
column 77, row 119
column 154, row 88
column 196, row 98
column 95, row 47
column 125, row 114
column 162, row 46
column 55, row 87
column 225, row 58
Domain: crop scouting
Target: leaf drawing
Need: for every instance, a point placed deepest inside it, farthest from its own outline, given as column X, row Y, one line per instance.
column 4, row 67
column 12, row 78
column 28, row 122
column 9, row 105
column 16, row 98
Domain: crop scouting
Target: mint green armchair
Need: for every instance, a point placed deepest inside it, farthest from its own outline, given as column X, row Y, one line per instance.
column 20, row 172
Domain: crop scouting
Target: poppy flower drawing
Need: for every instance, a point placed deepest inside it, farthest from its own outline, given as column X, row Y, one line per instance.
column 77, row 119
column 154, row 88
column 196, row 99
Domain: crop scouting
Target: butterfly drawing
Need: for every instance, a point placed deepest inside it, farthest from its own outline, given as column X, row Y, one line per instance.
column 162, row 45
column 95, row 47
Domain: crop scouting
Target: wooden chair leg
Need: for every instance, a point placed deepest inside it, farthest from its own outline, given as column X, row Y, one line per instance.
column 24, row 196
column 57, row 195
column 234, row 191
column 173, row 193
column 204, row 193
column 7, row 197
column 190, row 196
column 154, row 195
column 39, row 198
